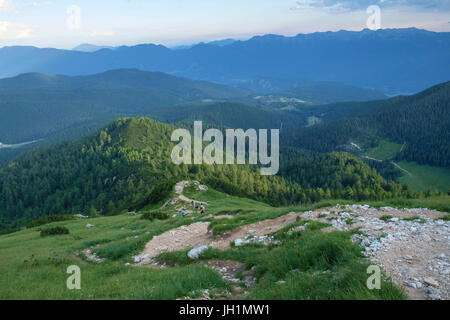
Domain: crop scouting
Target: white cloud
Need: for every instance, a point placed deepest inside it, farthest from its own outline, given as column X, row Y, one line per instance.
column 6, row 5
column 9, row 5
column 10, row 30
column 348, row 5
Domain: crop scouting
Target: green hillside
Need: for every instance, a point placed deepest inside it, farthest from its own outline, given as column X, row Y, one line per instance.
column 231, row 115
column 424, row 177
column 34, row 267
column 119, row 167
column 408, row 129
column 320, row 92
column 420, row 122
column 384, row 150
column 34, row 106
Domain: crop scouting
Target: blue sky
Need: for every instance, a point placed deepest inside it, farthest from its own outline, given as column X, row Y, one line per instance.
column 44, row 23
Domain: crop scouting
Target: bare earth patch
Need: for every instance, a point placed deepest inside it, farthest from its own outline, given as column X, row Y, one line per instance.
column 197, row 234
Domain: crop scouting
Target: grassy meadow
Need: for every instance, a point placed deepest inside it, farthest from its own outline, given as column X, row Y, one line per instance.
column 327, row 266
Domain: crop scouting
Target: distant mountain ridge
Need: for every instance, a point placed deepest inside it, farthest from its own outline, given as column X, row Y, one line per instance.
column 87, row 47
column 388, row 60
column 35, row 105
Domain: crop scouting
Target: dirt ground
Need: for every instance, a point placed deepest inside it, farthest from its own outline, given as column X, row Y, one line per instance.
column 197, row 234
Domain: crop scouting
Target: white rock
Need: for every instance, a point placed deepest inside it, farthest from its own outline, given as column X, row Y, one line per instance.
column 196, row 252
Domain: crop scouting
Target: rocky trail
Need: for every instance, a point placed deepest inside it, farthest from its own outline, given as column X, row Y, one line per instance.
column 179, row 188
column 411, row 245
column 414, row 252
column 198, row 234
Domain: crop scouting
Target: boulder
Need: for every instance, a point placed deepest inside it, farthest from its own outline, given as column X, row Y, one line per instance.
column 196, row 252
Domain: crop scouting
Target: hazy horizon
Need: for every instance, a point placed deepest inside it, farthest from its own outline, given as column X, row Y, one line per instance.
column 190, row 44
column 66, row 24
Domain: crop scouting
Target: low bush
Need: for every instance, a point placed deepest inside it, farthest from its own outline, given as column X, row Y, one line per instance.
column 152, row 215
column 159, row 193
column 54, row 231
column 8, row 231
column 49, row 219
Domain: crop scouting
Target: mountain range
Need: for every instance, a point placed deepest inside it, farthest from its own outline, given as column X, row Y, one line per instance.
column 388, row 60
column 38, row 106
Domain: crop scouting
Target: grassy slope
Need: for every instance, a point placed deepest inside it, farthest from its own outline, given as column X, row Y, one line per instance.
column 423, row 177
column 32, row 267
column 112, row 280
column 385, row 150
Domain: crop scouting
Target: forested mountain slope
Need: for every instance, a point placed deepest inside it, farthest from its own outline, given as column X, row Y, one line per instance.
column 44, row 108
column 421, row 122
column 35, row 106
column 329, row 92
column 118, row 168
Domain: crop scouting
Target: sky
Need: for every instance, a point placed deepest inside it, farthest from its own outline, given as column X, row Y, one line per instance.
column 67, row 23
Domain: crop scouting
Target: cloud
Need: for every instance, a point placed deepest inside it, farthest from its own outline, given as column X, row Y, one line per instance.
column 104, row 33
column 350, row 5
column 6, row 5
column 10, row 30
column 9, row 5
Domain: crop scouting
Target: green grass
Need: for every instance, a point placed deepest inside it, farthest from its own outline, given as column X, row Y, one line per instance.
column 424, row 177
column 317, row 266
column 312, row 264
column 386, row 218
column 420, row 177
column 34, row 267
column 385, row 150
column 440, row 203
column 415, row 219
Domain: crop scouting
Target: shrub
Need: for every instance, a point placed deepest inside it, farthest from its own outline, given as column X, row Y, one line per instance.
column 49, row 219
column 118, row 249
column 152, row 215
column 159, row 193
column 8, row 231
column 54, row 231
